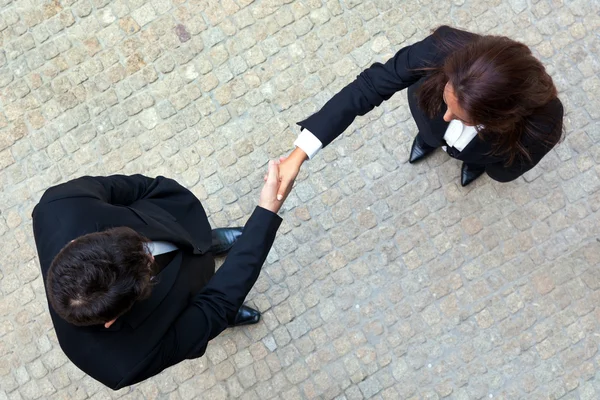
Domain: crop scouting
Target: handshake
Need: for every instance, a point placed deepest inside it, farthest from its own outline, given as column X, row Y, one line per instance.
column 279, row 180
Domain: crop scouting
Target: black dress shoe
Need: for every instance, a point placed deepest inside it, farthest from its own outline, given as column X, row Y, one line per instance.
column 223, row 239
column 470, row 172
column 419, row 149
column 246, row 316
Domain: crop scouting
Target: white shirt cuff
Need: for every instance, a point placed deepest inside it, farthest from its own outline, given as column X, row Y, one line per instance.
column 308, row 143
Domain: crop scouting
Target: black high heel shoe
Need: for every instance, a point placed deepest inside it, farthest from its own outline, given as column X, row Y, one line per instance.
column 470, row 172
column 419, row 150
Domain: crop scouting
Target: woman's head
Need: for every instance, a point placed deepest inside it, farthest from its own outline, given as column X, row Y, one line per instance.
column 99, row 276
column 492, row 82
column 454, row 110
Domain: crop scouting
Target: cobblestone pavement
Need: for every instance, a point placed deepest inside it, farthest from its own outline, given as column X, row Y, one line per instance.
column 387, row 280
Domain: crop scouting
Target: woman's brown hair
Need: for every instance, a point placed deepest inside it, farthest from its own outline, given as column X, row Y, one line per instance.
column 499, row 84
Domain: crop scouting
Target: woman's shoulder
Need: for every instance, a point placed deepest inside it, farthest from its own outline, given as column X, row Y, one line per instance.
column 450, row 30
column 433, row 50
column 453, row 36
column 555, row 106
column 545, row 123
column 550, row 113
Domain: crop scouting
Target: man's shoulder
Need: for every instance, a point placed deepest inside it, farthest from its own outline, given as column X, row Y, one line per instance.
column 62, row 204
column 67, row 189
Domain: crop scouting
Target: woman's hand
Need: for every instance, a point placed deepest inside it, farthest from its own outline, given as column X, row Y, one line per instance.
column 268, row 195
column 288, row 171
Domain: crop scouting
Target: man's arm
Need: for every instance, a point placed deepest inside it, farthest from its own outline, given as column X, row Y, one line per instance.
column 216, row 305
column 220, row 300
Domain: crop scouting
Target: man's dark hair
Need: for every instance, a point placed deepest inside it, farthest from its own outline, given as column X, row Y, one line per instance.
column 99, row 276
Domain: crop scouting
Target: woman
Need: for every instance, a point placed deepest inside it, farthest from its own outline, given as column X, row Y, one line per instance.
column 484, row 99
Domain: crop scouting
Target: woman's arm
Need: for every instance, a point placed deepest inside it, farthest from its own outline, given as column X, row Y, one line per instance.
column 371, row 87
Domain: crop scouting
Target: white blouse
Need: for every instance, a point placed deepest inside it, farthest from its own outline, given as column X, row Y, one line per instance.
column 159, row 247
column 459, row 135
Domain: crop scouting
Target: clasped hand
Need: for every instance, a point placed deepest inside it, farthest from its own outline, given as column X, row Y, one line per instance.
column 280, row 178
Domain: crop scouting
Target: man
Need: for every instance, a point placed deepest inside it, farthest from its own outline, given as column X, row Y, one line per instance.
column 129, row 272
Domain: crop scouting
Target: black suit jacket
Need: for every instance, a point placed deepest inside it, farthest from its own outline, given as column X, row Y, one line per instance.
column 188, row 306
column 405, row 70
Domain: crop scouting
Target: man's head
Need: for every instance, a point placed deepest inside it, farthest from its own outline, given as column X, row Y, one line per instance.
column 99, row 276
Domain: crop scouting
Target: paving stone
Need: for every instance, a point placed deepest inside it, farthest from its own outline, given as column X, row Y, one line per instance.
column 380, row 267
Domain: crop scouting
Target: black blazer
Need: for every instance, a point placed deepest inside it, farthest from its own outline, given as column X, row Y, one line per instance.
column 380, row 81
column 187, row 308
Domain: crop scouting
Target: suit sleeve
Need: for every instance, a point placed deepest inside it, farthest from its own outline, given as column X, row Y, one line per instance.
column 374, row 85
column 213, row 307
column 115, row 189
column 225, row 293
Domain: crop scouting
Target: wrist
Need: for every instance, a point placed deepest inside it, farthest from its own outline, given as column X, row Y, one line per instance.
column 270, row 206
column 263, row 210
column 298, row 156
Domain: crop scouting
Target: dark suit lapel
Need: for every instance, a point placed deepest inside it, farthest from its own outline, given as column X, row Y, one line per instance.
column 161, row 225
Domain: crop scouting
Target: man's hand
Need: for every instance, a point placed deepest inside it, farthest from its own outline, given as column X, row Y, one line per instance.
column 268, row 195
column 288, row 171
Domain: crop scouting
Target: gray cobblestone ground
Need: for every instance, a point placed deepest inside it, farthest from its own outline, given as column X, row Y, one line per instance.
column 387, row 280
